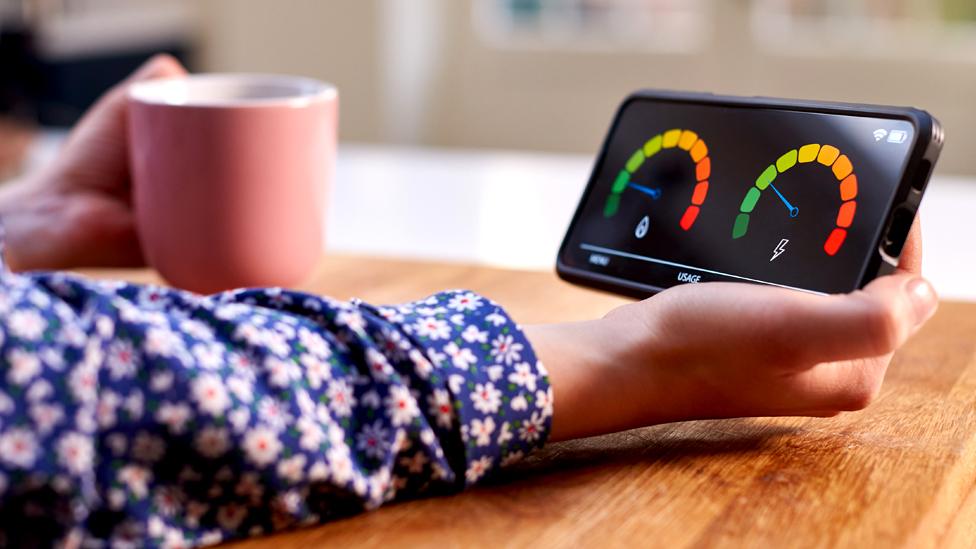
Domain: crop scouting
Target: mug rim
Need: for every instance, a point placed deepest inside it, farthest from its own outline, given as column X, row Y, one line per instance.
column 172, row 91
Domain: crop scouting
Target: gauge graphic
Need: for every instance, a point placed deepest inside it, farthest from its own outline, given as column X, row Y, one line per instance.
column 685, row 140
column 825, row 155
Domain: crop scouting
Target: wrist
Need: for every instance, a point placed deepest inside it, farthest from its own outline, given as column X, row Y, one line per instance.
column 588, row 375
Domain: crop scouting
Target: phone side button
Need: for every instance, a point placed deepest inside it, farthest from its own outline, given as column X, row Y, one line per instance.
column 898, row 228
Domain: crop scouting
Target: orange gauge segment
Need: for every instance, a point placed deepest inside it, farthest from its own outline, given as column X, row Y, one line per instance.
column 827, row 155
column 628, row 179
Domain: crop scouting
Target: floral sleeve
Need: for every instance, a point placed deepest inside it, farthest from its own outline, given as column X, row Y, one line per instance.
column 136, row 415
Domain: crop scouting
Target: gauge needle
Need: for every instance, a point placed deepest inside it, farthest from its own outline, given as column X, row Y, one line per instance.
column 653, row 193
column 794, row 211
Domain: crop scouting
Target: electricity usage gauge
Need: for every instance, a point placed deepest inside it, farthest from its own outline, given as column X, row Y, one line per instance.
column 634, row 183
column 839, row 173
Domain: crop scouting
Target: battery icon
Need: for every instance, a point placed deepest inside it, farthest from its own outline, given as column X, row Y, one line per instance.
column 897, row 136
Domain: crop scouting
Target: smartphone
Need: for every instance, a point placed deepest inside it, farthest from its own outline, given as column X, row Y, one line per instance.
column 692, row 188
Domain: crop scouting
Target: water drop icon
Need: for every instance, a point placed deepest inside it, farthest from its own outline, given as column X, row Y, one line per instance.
column 642, row 227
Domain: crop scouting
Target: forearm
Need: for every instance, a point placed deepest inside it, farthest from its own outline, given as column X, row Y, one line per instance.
column 595, row 390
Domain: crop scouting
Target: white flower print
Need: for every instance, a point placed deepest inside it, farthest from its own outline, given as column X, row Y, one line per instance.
column 231, row 311
column 314, row 343
column 133, row 405
column 436, row 358
column 276, row 342
column 464, row 302
column 239, row 419
column 23, row 366
column 505, row 433
column 401, row 406
column 339, row 464
column 505, row 349
column 104, row 326
column 271, row 411
column 197, row 330
column 317, row 370
column 136, row 479
column 281, row 373
column 121, row 360
column 26, row 324
column 162, row 342
column 477, row 469
column 312, row 434
column 486, row 398
column 6, row 403
column 340, row 396
column 495, row 372
column 352, row 320
column 18, row 447
column 472, row 334
column 421, row 366
column 39, row 299
column 261, row 446
column 497, row 319
column 241, row 388
column 378, row 364
column 371, row 399
column 46, row 416
column 481, row 430
column 50, row 357
column 75, row 452
column 374, row 440
column 318, row 472
column 83, row 381
column 210, row 394
column 106, row 409
column 293, row 468
column 523, row 376
column 85, row 420
column 531, row 429
column 440, row 406
column 519, row 403
column 543, row 400
column 161, row 381
column 391, row 315
column 432, row 328
column 174, row 416
column 208, row 355
column 461, row 357
column 455, row 382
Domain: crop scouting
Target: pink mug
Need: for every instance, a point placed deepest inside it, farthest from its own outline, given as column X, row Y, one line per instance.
column 230, row 176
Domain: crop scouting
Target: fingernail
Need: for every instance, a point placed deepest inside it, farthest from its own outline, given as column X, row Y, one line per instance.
column 924, row 299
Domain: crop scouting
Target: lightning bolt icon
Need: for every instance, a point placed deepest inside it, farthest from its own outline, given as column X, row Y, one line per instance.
column 780, row 249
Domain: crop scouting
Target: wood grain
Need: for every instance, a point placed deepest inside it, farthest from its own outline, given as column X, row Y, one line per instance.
column 900, row 474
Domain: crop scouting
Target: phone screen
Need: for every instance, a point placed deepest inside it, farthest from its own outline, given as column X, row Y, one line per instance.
column 689, row 192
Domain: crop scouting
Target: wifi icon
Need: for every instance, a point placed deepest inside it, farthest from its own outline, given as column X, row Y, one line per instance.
column 880, row 134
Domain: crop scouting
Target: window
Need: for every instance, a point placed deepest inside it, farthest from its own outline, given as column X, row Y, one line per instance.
column 884, row 28
column 656, row 25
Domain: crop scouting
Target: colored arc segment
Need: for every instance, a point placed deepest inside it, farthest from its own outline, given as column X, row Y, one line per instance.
column 685, row 140
column 826, row 155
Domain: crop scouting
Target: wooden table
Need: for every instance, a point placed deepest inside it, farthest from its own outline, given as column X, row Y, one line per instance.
column 901, row 474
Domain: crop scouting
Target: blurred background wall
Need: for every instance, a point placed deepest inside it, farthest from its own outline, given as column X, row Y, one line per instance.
column 514, row 74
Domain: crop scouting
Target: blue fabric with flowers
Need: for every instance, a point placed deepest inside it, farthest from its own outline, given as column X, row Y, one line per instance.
column 136, row 415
